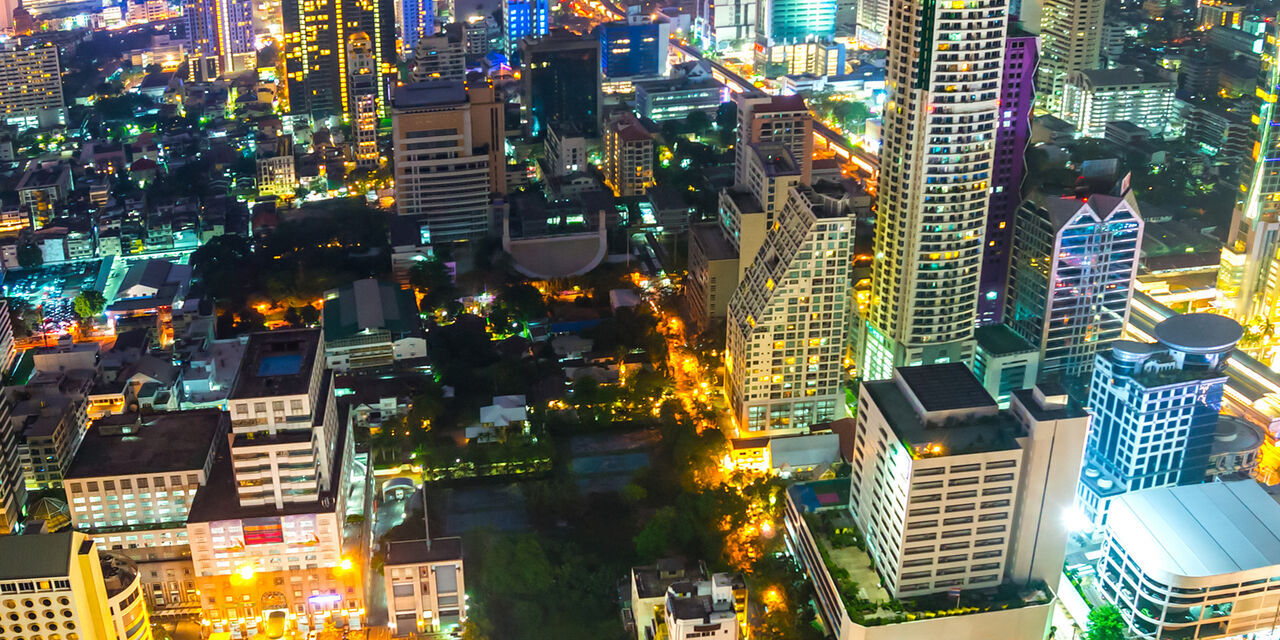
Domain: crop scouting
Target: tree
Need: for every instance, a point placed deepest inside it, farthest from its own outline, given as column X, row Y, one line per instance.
column 1105, row 623
column 24, row 318
column 89, row 304
column 523, row 302
column 29, row 256
column 433, row 280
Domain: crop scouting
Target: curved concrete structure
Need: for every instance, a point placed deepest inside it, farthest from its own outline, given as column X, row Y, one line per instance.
column 1199, row 333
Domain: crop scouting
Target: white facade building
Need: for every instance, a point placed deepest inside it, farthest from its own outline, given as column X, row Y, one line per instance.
column 702, row 609
column 787, row 320
column 950, row 492
column 944, row 77
column 1070, row 40
column 1199, row 561
column 1096, row 97
column 31, row 86
column 425, row 586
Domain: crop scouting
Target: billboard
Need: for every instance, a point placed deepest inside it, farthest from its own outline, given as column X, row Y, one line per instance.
column 294, row 531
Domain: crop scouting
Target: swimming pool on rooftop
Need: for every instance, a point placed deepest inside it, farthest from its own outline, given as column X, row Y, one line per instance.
column 286, row 364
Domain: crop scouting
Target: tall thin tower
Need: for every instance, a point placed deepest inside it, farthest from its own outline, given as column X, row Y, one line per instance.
column 935, row 172
column 1248, row 275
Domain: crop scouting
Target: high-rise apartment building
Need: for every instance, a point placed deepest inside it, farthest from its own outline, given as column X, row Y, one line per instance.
column 1249, row 272
column 953, row 493
column 449, row 157
column 1155, row 410
column 522, row 19
column 1094, row 98
column 943, row 77
column 872, row 22
column 560, row 82
column 266, row 530
column 628, row 156
column 1017, row 93
column 787, row 318
column 317, row 34
column 221, row 33
column 1074, row 264
column 1070, row 40
column 13, row 486
column 364, row 84
column 784, row 120
column 31, row 85
column 789, row 21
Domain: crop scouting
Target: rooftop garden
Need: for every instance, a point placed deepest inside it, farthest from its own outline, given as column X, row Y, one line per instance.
column 843, row 550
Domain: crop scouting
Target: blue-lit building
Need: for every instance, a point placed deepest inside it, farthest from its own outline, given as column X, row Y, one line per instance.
column 633, row 48
column 417, row 21
column 789, row 21
column 1155, row 410
column 523, row 18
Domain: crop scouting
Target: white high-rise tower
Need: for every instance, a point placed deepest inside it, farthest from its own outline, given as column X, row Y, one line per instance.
column 944, row 74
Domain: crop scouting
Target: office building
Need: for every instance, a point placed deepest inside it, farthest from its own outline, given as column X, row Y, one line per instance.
column 369, row 325
column 634, row 48
column 364, row 84
column 1155, row 410
column 221, row 33
column 31, row 85
column 523, row 19
column 1199, row 561
column 425, row 586
column 937, row 156
column 783, row 368
column 417, row 20
column 676, row 98
column 316, row 72
column 476, row 34
column 1248, row 272
column 1017, row 93
column 131, row 484
column 560, row 82
column 812, row 57
column 628, row 156
column 1094, row 98
column 266, row 530
column 277, row 167
column 566, row 150
column 1070, row 41
column 1075, row 260
column 951, row 492
column 872, row 22
column 62, row 581
column 449, row 145
column 440, row 57
column 790, row 21
column 727, row 26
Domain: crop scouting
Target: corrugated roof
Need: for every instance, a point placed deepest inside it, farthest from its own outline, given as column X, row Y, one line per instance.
column 1199, row 530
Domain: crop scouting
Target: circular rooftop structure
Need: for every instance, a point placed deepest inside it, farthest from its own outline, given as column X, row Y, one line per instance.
column 1199, row 333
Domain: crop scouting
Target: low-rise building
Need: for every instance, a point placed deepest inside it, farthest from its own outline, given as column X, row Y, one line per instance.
column 425, row 586
column 705, row 609
column 371, row 324
column 50, row 415
column 1195, row 561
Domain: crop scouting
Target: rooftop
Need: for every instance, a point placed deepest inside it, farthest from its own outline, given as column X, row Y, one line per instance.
column 779, row 104
column 970, row 424
column 433, row 93
column 367, row 305
column 713, row 242
column 1199, row 333
column 652, row 581
column 37, row 556
column 1000, row 340
column 277, row 363
column 945, row 387
column 419, row 552
column 1198, row 530
column 156, row 443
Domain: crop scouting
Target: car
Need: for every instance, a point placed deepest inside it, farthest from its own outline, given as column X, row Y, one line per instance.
column 275, row 624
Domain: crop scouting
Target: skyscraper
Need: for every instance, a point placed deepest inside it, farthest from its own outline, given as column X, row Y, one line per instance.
column 221, row 33
column 1070, row 40
column 363, row 82
column 787, row 317
column 417, row 20
column 1155, row 409
column 1017, row 93
column 560, row 81
column 872, row 22
column 31, row 85
column 524, row 18
column 317, row 34
column 1075, row 260
column 786, row 21
column 448, row 140
column 1249, row 270
column 634, row 48
column 943, row 78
